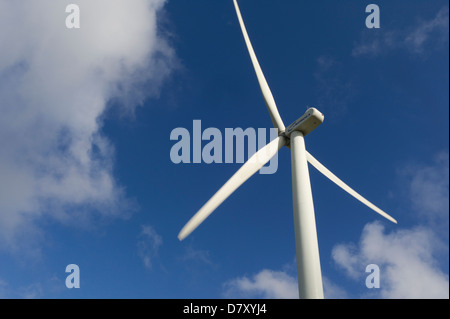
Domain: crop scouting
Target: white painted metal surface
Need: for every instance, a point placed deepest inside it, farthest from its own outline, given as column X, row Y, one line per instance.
column 345, row 187
column 253, row 165
column 307, row 247
column 267, row 94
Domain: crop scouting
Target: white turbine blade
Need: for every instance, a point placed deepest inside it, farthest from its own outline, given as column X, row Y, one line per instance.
column 267, row 94
column 254, row 164
column 345, row 187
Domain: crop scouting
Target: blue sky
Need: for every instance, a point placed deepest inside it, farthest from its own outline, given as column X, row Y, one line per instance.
column 85, row 167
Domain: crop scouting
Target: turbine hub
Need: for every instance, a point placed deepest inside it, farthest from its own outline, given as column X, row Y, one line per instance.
column 307, row 123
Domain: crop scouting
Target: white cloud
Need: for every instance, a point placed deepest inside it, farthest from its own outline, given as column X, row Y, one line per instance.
column 429, row 189
column 55, row 84
column 332, row 290
column 410, row 260
column 407, row 259
column 267, row 284
column 424, row 35
column 271, row 284
column 148, row 245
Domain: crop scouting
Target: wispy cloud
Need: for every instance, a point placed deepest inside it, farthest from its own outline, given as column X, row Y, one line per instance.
column 333, row 291
column 267, row 284
column 334, row 91
column 46, row 287
column 3, row 289
column 429, row 189
column 423, row 36
column 55, row 84
column 438, row 27
column 32, row 291
column 148, row 245
column 197, row 255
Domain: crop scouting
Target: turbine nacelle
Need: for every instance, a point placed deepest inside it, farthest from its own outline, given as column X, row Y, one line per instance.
column 307, row 123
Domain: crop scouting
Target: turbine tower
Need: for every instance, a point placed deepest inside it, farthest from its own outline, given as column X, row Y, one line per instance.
column 307, row 249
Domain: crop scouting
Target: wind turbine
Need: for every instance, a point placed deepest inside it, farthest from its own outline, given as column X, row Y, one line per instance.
column 307, row 249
